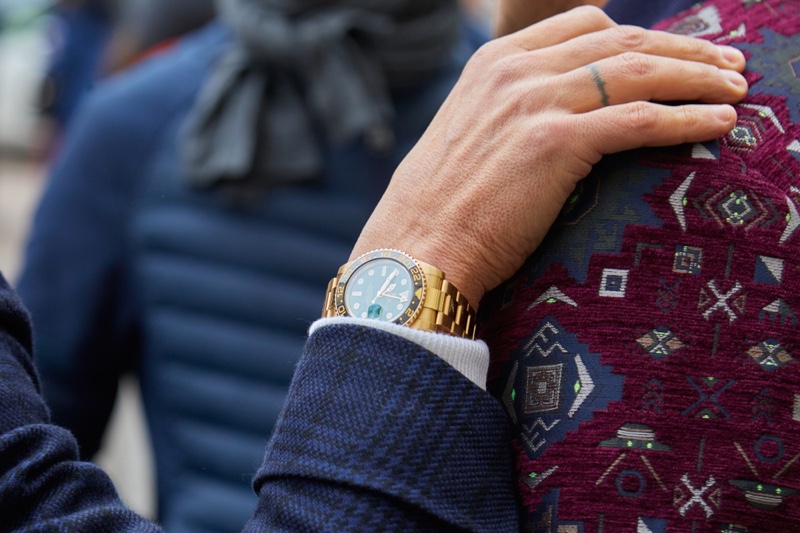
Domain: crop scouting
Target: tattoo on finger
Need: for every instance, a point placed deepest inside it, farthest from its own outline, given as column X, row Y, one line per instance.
column 601, row 85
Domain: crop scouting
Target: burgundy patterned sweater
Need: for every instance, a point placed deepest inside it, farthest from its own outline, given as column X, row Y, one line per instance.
column 648, row 352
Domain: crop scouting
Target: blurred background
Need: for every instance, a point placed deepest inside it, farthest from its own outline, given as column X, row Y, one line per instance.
column 23, row 56
column 51, row 54
column 30, row 35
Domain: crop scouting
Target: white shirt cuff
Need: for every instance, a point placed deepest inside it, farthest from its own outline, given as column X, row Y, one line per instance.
column 469, row 357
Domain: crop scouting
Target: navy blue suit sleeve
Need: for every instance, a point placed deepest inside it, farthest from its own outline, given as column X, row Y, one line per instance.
column 43, row 486
column 379, row 434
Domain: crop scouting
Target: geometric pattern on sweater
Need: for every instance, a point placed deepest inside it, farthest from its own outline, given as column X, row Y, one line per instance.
column 555, row 384
column 647, row 353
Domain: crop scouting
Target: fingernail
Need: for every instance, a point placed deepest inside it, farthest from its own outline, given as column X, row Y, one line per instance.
column 725, row 113
column 735, row 78
column 732, row 55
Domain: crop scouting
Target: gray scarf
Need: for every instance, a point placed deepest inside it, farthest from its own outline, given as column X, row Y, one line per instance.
column 302, row 71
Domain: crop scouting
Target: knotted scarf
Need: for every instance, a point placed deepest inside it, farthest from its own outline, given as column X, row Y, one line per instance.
column 300, row 72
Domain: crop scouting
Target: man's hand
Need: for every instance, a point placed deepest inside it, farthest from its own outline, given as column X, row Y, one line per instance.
column 531, row 114
column 513, row 15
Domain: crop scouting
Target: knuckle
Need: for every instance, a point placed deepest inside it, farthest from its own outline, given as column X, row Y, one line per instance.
column 593, row 14
column 713, row 78
column 484, row 55
column 689, row 120
column 642, row 116
column 701, row 48
column 630, row 37
column 567, row 141
column 560, row 135
column 633, row 64
column 711, row 73
column 505, row 70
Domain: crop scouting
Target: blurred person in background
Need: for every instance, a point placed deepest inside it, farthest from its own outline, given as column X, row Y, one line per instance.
column 91, row 39
column 147, row 26
column 479, row 13
column 78, row 35
column 200, row 202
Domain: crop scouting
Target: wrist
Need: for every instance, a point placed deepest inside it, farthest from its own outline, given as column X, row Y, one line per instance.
column 389, row 285
column 438, row 255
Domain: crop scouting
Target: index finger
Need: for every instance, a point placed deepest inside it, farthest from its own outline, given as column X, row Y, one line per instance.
column 592, row 47
column 560, row 28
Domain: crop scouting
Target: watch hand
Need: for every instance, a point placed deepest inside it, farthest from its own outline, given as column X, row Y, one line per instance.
column 380, row 291
column 401, row 298
column 385, row 284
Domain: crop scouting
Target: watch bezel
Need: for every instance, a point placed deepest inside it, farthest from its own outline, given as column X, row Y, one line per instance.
column 406, row 261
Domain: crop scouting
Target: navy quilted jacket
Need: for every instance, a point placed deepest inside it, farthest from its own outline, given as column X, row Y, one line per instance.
column 207, row 294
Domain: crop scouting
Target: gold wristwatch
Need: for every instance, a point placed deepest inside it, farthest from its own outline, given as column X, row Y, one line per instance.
column 391, row 286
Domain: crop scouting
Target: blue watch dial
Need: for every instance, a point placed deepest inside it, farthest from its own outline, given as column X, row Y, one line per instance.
column 381, row 289
column 383, row 285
